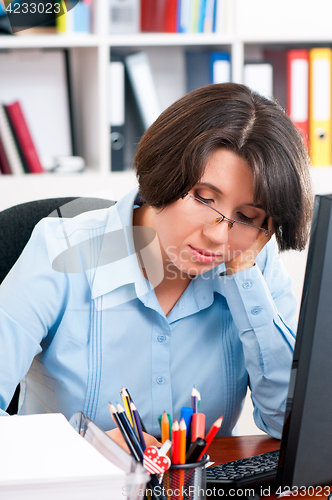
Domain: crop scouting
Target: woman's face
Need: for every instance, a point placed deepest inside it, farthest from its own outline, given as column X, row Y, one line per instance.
column 194, row 247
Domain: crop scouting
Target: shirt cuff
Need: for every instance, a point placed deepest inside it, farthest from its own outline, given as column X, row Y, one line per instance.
column 249, row 298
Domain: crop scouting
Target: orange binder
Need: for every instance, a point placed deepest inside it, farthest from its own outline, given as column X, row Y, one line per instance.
column 320, row 64
column 298, row 90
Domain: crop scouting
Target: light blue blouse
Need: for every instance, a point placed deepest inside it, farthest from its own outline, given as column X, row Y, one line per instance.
column 78, row 321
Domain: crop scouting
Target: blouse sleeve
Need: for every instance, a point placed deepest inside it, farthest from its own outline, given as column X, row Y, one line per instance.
column 264, row 310
column 31, row 298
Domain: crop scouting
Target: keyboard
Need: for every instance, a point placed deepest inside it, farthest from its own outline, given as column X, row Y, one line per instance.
column 254, row 471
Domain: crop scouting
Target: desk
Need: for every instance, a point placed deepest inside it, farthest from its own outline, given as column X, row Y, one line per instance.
column 226, row 449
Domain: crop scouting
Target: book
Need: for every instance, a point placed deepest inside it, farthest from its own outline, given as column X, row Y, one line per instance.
column 23, row 137
column 39, row 80
column 4, row 165
column 142, row 82
column 76, row 17
column 43, row 456
column 9, row 144
column 160, row 16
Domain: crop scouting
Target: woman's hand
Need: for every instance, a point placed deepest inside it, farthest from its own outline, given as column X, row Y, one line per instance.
column 116, row 435
column 246, row 259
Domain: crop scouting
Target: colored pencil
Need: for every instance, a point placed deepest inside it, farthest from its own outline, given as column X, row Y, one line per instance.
column 164, row 427
column 130, row 432
column 210, row 435
column 126, row 404
column 138, row 425
column 182, row 446
column 122, row 429
column 142, row 423
column 175, row 442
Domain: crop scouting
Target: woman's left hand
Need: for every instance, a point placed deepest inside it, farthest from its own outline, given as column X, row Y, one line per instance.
column 246, row 259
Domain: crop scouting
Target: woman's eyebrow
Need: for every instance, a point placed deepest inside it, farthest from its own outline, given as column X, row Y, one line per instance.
column 208, row 185
column 215, row 188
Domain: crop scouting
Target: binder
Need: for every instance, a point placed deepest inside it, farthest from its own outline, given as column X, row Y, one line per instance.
column 320, row 106
column 278, row 59
column 298, row 90
column 204, row 67
column 140, row 76
column 124, row 16
column 220, row 67
column 23, row 137
column 117, row 112
column 259, row 77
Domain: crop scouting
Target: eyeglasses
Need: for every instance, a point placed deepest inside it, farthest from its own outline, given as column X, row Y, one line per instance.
column 201, row 211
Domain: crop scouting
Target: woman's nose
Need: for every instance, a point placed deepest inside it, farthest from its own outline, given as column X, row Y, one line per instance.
column 218, row 233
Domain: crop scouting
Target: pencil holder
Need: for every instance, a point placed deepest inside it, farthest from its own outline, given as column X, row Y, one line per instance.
column 186, row 482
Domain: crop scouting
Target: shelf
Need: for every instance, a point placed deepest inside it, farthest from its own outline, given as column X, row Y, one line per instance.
column 168, row 39
column 15, row 189
column 49, row 41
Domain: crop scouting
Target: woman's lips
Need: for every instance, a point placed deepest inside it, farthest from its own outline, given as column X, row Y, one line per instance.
column 203, row 255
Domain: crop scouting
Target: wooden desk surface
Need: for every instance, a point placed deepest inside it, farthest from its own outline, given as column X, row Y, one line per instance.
column 226, row 449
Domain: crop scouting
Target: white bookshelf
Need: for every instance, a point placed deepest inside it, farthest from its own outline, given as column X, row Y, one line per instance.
column 251, row 25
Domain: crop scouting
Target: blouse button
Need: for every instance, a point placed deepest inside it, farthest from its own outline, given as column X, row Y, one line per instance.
column 161, row 338
column 247, row 284
column 160, row 380
column 256, row 310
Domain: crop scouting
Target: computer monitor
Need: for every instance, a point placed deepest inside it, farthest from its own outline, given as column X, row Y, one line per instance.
column 305, row 457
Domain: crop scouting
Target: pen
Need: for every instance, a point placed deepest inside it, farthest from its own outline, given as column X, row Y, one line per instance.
column 195, row 451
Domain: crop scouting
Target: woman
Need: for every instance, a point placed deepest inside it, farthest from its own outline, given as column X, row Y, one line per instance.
column 180, row 285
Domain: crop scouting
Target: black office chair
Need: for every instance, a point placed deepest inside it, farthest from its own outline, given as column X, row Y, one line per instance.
column 17, row 224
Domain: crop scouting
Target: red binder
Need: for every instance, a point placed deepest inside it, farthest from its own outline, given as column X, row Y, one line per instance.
column 160, row 16
column 298, row 90
column 24, row 139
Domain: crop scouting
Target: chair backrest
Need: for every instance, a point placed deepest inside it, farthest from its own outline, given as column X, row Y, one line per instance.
column 17, row 224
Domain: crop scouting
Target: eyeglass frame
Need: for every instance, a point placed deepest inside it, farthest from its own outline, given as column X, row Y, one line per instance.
column 223, row 218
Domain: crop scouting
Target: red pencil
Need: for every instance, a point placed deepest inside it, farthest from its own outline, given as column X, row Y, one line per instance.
column 175, row 443
column 210, row 435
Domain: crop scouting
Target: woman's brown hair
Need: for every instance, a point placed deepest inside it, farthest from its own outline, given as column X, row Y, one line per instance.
column 173, row 152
